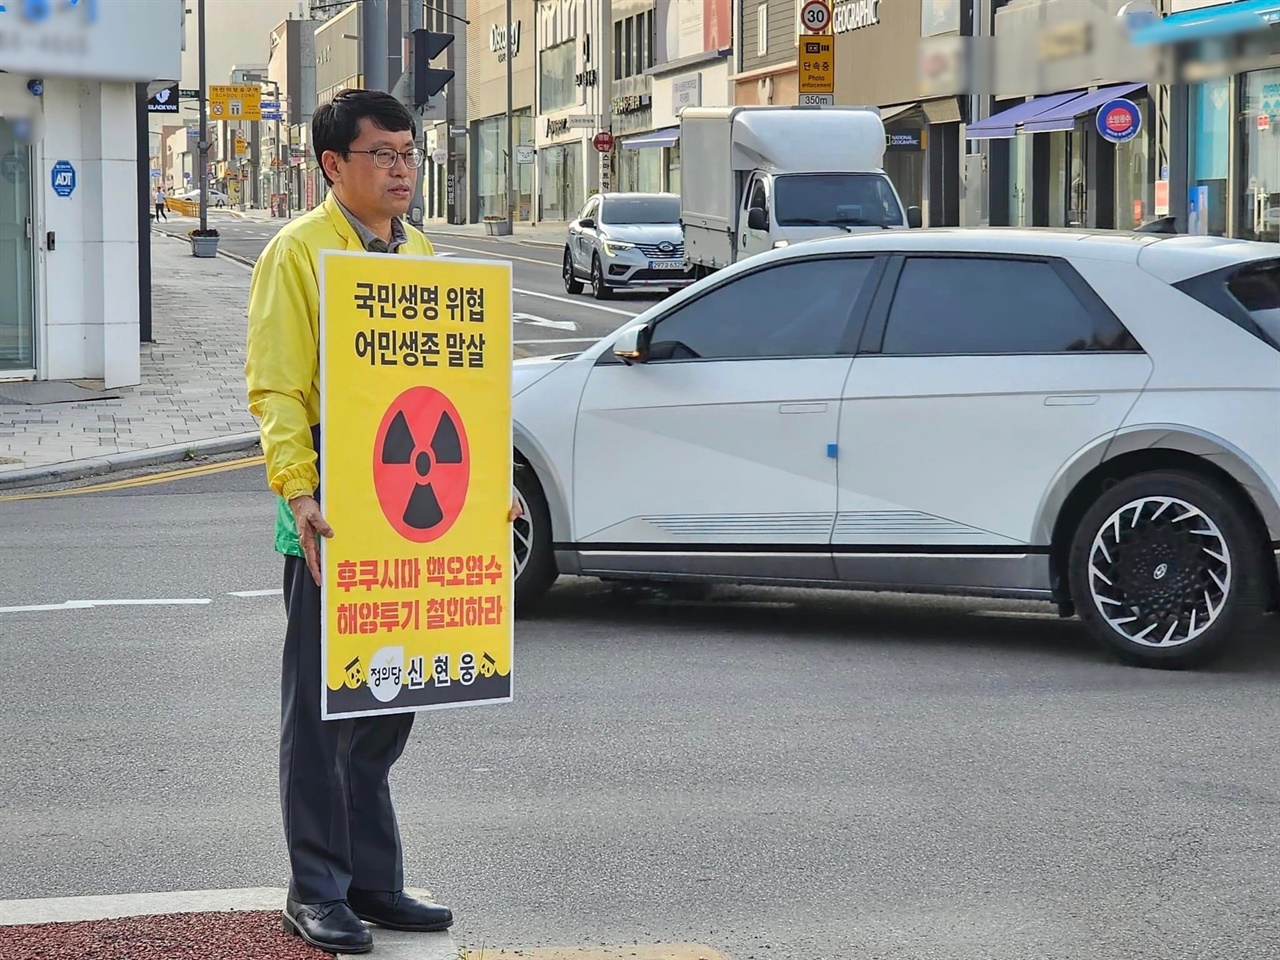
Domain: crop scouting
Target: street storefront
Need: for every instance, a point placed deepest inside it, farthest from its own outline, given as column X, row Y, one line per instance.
column 70, row 182
column 878, row 62
column 488, row 48
column 572, row 105
column 694, row 44
column 1085, row 152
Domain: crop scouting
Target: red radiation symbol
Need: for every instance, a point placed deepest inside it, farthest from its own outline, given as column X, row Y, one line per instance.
column 421, row 464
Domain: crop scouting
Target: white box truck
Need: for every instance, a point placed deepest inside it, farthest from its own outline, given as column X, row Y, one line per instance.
column 755, row 178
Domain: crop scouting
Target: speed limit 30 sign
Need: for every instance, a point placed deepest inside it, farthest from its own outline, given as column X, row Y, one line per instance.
column 815, row 16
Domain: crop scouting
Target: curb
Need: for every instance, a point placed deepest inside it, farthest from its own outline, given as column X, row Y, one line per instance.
column 555, row 244
column 391, row 945
column 92, row 466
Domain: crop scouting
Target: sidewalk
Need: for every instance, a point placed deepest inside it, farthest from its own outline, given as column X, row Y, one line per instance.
column 192, row 395
column 549, row 233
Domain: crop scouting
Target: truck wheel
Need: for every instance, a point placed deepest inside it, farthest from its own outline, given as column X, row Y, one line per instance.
column 599, row 289
column 571, row 283
column 1164, row 568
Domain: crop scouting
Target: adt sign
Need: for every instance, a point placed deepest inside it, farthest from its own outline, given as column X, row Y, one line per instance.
column 63, row 178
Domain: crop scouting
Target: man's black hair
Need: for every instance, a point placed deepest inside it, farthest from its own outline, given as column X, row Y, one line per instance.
column 336, row 124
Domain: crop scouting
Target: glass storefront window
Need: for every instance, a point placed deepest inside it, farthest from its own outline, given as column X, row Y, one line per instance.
column 1134, row 187
column 560, row 191
column 491, row 175
column 17, row 253
column 1259, row 216
column 1209, row 110
column 673, row 169
column 556, row 76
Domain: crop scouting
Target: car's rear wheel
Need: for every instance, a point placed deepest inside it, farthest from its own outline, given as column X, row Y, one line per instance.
column 1164, row 567
column 533, row 559
column 571, row 283
column 599, row 289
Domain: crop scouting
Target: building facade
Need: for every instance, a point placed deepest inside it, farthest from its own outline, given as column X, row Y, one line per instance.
column 574, row 40
column 768, row 52
column 693, row 61
column 74, row 183
column 489, row 46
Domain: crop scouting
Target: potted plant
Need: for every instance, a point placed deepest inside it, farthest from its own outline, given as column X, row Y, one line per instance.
column 496, row 226
column 204, row 243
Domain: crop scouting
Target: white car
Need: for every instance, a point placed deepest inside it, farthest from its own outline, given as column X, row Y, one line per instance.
column 626, row 240
column 1086, row 418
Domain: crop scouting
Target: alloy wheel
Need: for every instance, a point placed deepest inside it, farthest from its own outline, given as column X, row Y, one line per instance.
column 1160, row 571
column 522, row 535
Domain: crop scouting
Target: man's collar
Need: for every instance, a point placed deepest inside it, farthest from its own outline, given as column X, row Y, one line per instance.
column 368, row 239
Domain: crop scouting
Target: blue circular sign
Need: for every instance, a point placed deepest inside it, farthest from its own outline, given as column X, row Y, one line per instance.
column 63, row 178
column 1119, row 120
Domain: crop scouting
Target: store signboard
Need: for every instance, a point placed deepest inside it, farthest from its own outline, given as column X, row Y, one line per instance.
column 120, row 40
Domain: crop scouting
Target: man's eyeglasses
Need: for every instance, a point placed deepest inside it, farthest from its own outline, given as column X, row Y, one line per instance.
column 386, row 157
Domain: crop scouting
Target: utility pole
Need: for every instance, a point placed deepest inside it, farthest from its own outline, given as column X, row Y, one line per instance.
column 204, row 128
column 511, row 157
column 373, row 37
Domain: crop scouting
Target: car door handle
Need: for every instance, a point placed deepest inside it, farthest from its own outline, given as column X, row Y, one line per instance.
column 792, row 408
column 1072, row 400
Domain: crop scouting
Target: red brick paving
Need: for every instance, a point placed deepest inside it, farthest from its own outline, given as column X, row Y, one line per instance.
column 248, row 935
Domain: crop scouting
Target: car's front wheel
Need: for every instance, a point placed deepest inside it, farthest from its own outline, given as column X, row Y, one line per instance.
column 533, row 558
column 571, row 283
column 1164, row 567
column 599, row 289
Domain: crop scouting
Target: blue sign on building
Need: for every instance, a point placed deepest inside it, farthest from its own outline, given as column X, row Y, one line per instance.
column 1119, row 120
column 63, row 178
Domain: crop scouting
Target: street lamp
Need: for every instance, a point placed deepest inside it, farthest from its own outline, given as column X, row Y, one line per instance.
column 280, row 166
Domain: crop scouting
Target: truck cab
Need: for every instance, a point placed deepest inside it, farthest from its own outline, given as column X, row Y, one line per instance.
column 771, row 176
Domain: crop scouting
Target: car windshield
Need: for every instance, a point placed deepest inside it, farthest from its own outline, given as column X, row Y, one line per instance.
column 1257, row 288
column 641, row 210
column 836, row 199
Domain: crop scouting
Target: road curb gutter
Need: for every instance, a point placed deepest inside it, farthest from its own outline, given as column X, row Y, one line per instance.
column 112, row 463
column 390, row 944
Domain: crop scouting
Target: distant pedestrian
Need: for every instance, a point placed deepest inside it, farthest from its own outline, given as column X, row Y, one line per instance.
column 160, row 203
column 340, row 826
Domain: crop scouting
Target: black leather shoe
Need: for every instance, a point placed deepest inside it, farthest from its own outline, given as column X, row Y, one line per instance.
column 399, row 911
column 331, row 926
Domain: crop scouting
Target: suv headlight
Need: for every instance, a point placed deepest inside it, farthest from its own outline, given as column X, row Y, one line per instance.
column 615, row 247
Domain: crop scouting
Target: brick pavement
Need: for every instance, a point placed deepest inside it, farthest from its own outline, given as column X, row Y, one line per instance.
column 192, row 386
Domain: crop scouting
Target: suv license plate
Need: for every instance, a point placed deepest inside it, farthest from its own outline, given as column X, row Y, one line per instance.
column 666, row 264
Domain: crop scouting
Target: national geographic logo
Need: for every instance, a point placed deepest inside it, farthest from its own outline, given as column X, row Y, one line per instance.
column 854, row 14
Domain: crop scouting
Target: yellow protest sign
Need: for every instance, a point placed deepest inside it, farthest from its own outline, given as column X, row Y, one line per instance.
column 235, row 101
column 415, row 479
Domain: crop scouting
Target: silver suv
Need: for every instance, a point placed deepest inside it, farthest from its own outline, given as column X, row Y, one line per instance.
column 626, row 240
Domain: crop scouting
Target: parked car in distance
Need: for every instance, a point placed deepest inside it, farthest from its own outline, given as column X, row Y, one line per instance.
column 626, row 240
column 1088, row 418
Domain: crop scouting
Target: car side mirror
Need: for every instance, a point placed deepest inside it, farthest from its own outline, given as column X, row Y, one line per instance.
column 632, row 346
column 586, row 223
column 757, row 219
column 914, row 217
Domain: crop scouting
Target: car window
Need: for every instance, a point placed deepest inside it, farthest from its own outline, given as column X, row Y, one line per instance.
column 758, row 197
column 974, row 306
column 641, row 210
column 1257, row 289
column 792, row 310
column 589, row 208
column 853, row 199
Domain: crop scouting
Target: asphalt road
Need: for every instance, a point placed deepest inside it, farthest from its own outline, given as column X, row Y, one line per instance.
column 547, row 320
column 775, row 774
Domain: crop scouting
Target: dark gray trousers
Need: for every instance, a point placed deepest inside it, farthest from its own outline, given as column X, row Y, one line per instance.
column 339, row 823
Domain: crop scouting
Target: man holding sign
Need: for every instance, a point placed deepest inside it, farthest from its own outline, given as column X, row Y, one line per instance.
column 369, row 594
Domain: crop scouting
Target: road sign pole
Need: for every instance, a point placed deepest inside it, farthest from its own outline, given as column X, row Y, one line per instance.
column 204, row 129
column 511, row 160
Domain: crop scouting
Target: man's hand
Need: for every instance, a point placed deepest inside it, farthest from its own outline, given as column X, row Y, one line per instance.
column 515, row 513
column 310, row 523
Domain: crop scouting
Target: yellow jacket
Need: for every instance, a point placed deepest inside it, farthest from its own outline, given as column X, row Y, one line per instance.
column 282, row 350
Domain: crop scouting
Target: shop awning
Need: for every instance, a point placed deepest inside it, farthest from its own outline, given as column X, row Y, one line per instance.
column 667, row 137
column 1063, row 116
column 1005, row 124
column 1239, row 17
column 888, row 113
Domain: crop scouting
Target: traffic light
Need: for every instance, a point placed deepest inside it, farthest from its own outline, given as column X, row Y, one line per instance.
column 428, row 80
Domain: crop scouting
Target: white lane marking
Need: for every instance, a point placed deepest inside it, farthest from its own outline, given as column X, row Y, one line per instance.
column 490, row 255
column 257, row 593
column 537, row 321
column 558, row 340
column 88, row 604
column 575, row 303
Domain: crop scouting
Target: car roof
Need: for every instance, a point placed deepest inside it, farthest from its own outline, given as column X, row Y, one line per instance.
column 634, row 195
column 1172, row 257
